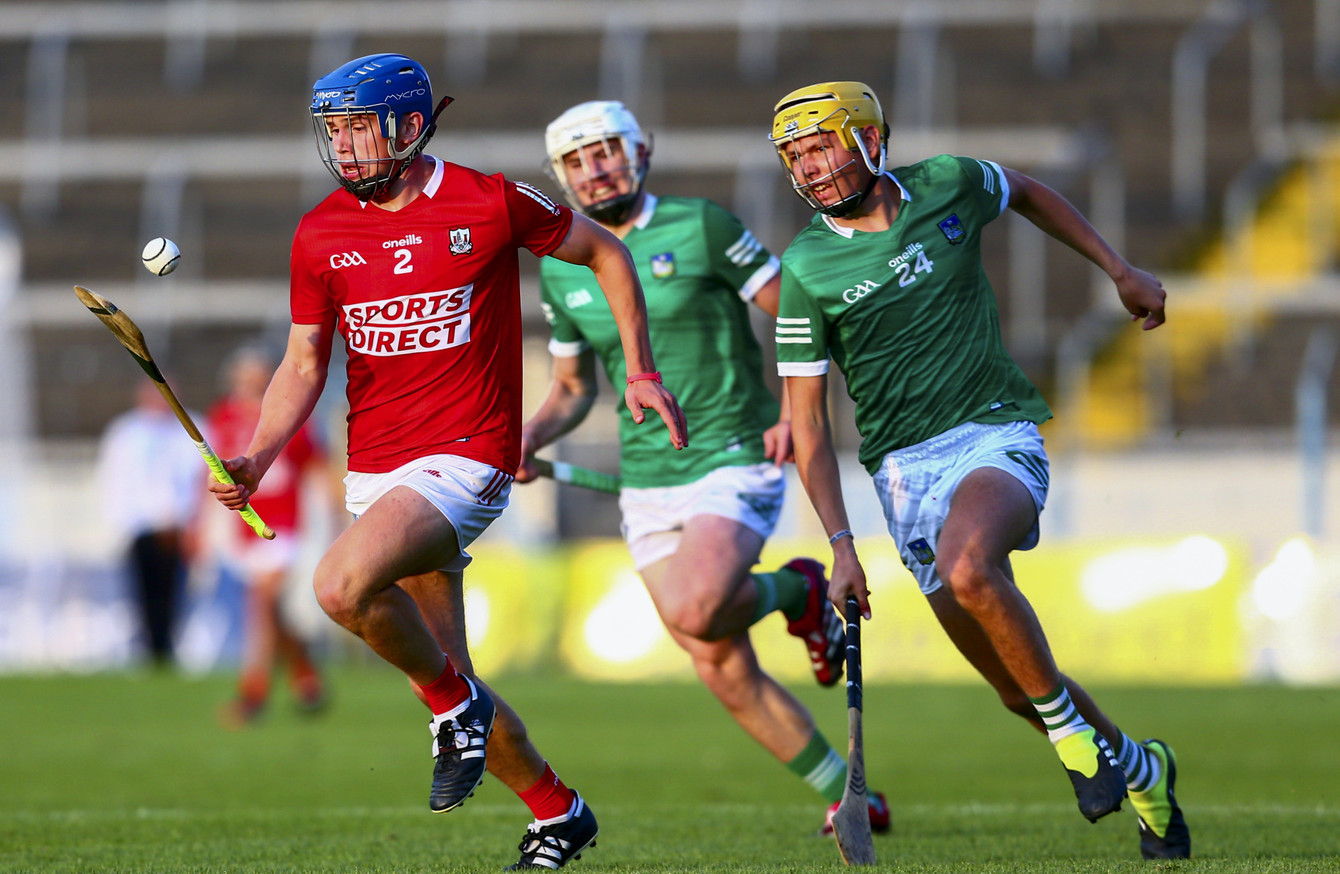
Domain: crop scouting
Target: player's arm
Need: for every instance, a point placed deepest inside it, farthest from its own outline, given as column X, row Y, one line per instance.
column 293, row 392
column 777, row 440
column 572, row 392
column 769, row 295
column 816, row 463
column 778, row 443
column 590, row 245
column 1140, row 291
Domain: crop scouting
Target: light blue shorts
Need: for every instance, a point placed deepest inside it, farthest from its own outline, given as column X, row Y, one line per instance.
column 916, row 485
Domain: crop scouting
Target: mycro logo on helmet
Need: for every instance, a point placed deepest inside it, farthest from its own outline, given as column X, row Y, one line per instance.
column 406, row 95
column 852, row 295
column 325, row 95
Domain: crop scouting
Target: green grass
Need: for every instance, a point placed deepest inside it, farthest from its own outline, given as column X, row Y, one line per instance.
column 131, row 773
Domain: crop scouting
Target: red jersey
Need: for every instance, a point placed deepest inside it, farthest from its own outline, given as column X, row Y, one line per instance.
column 427, row 299
column 230, row 426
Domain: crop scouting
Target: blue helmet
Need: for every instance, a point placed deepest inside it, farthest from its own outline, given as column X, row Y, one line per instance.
column 390, row 86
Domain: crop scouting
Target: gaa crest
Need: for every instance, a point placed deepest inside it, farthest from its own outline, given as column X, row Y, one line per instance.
column 460, row 241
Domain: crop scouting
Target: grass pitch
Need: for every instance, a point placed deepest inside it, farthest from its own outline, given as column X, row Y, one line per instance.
column 132, row 773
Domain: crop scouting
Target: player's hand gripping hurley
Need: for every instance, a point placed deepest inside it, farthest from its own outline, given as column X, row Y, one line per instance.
column 851, row 821
column 125, row 330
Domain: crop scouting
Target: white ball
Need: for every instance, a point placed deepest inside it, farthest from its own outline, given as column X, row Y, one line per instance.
column 160, row 256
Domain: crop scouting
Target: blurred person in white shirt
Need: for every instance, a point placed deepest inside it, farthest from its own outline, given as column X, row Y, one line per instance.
column 150, row 476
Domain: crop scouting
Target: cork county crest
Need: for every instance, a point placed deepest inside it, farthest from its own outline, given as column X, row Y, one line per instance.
column 460, row 241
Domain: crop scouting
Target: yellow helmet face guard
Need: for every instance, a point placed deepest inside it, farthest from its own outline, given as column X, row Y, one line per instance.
column 841, row 108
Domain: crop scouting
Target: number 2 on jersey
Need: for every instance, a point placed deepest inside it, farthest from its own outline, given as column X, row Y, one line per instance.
column 402, row 264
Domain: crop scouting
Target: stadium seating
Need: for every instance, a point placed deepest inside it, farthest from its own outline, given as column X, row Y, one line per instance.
column 196, row 129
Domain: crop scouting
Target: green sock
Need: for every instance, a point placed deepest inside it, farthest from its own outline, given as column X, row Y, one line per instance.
column 766, row 585
column 820, row 766
column 784, row 589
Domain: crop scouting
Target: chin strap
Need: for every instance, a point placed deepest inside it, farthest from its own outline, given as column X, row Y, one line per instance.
column 405, row 158
column 848, row 206
column 883, row 152
column 430, row 128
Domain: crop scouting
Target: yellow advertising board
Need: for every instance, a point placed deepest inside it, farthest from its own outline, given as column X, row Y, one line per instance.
column 514, row 603
column 1147, row 611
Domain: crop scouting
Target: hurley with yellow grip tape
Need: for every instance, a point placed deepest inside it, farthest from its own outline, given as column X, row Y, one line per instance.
column 125, row 330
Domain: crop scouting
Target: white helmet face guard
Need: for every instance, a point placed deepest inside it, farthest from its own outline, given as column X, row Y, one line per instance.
column 626, row 177
column 603, row 123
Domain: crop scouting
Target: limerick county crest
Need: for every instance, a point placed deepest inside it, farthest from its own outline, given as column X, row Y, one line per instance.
column 460, row 241
column 953, row 231
column 663, row 265
column 921, row 550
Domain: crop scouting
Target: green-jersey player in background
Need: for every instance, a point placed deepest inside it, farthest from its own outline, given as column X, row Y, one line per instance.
column 696, row 520
column 888, row 281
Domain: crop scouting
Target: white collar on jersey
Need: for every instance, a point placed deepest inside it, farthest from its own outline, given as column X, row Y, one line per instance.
column 850, row 232
column 434, row 182
column 648, row 208
column 440, row 168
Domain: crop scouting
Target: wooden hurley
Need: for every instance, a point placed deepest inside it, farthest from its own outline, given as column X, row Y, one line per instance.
column 125, row 330
column 851, row 821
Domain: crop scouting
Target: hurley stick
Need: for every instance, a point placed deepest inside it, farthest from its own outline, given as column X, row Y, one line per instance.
column 851, row 821
column 125, row 330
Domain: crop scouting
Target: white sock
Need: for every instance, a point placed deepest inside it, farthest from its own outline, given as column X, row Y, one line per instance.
column 1141, row 767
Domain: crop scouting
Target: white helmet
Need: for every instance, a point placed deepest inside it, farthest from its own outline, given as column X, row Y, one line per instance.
column 599, row 121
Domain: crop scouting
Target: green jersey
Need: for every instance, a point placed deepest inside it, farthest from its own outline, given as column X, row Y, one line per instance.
column 698, row 266
column 907, row 314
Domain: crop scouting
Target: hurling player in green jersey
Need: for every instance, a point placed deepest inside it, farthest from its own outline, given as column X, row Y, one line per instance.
column 888, row 281
column 696, row 520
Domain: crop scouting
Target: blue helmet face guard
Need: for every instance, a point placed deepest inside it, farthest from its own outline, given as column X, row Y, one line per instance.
column 387, row 87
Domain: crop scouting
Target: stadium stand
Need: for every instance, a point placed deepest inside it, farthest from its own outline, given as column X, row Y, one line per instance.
column 185, row 118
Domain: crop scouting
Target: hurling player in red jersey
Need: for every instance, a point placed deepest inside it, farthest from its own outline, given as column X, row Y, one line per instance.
column 414, row 262
column 266, row 566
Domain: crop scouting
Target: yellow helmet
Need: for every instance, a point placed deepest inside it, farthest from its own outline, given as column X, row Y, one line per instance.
column 834, row 106
column 842, row 108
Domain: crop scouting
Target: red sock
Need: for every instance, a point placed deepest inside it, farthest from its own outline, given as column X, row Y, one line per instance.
column 253, row 687
column 446, row 692
column 548, row 798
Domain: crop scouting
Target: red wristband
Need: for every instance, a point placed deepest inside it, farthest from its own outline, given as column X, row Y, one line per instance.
column 654, row 376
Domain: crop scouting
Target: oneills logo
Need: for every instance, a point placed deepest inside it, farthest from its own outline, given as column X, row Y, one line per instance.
column 410, row 324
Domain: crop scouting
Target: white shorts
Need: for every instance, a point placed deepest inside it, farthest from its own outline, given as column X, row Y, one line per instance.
column 653, row 519
column 469, row 493
column 255, row 558
column 916, row 485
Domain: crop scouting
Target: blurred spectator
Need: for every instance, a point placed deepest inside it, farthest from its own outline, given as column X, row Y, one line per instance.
column 266, row 566
column 151, row 476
